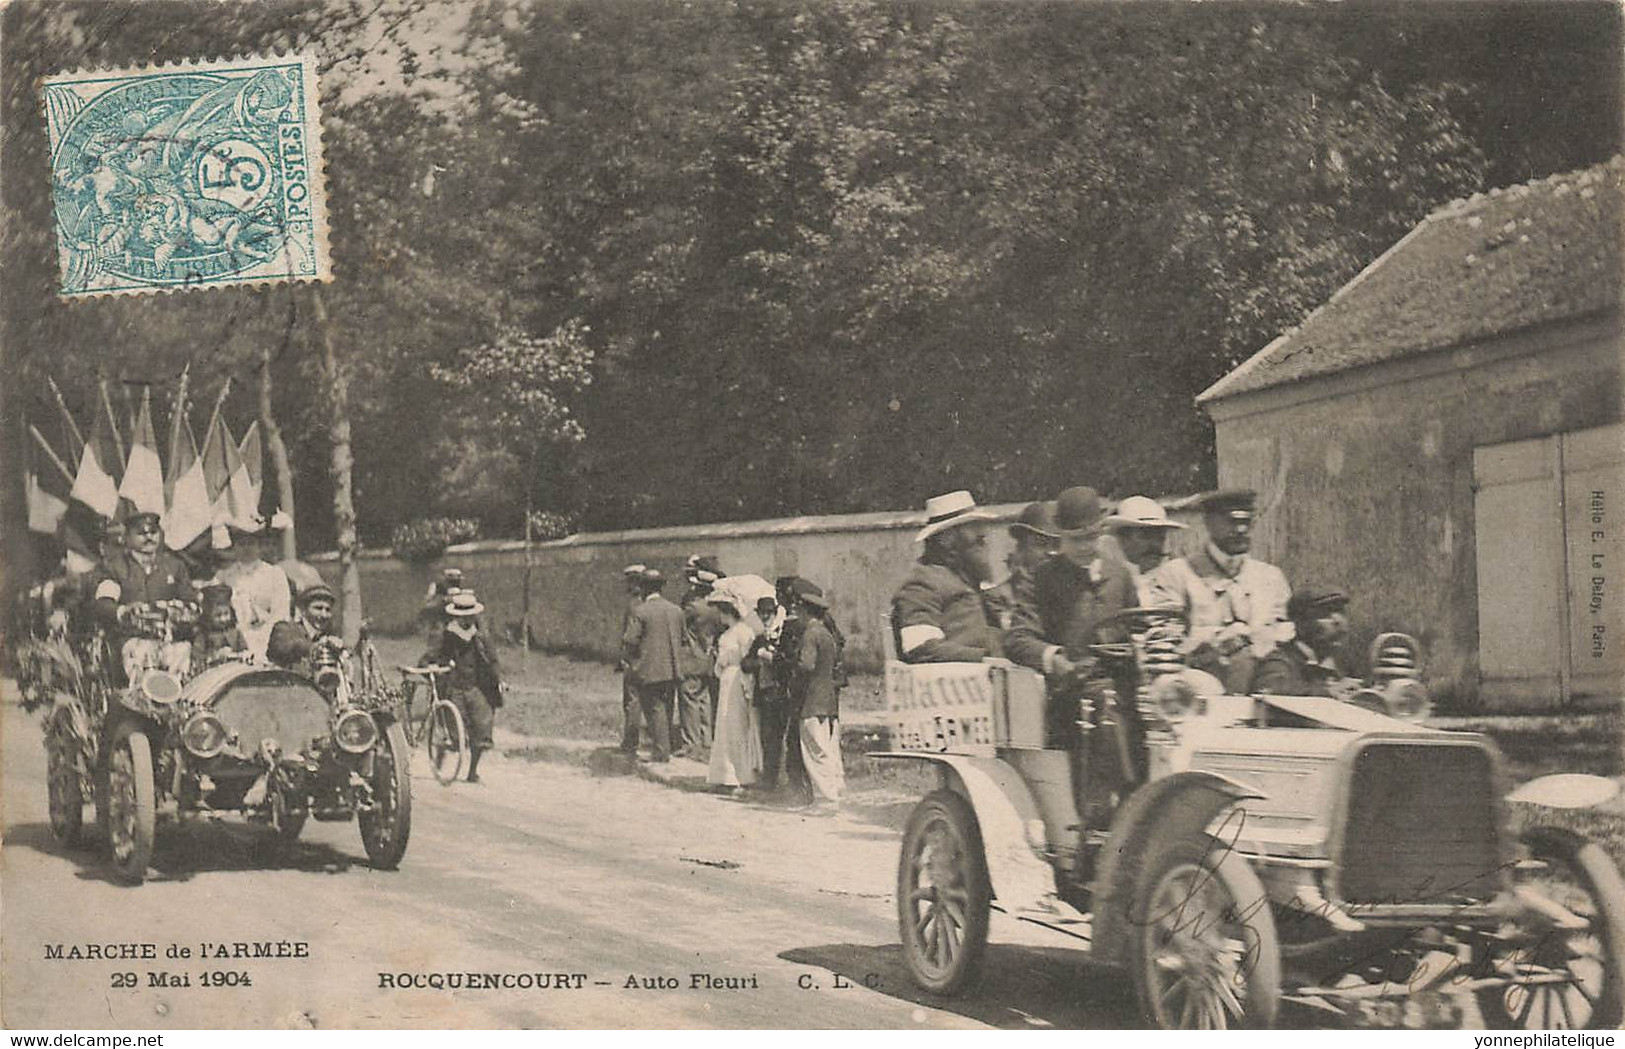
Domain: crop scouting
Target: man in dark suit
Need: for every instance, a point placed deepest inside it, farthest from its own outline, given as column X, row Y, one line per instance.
column 652, row 648
column 1309, row 664
column 1060, row 611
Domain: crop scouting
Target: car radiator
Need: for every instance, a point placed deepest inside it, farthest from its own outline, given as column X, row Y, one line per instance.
column 1423, row 825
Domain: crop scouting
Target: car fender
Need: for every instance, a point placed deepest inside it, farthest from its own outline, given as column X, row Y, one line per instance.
column 1006, row 815
column 1566, row 790
column 1187, row 803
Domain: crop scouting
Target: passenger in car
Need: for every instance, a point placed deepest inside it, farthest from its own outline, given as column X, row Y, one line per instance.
column 938, row 614
column 292, row 639
column 1309, row 664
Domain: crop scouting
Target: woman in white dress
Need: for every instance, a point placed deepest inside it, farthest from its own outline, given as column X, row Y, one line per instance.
column 736, row 746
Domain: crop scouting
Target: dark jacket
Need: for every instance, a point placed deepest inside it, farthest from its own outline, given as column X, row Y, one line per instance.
column 1293, row 669
column 120, row 580
column 291, row 641
column 936, row 601
column 815, row 672
column 1062, row 604
column 473, row 665
column 653, row 642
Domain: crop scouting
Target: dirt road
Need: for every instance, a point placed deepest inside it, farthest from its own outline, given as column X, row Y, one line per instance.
column 541, row 870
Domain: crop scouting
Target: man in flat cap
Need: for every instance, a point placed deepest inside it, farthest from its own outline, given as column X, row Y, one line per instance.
column 1309, row 664
column 938, row 614
column 291, row 640
column 1236, row 603
column 652, row 648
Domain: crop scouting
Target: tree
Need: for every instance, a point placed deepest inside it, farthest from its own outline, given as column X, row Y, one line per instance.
column 522, row 385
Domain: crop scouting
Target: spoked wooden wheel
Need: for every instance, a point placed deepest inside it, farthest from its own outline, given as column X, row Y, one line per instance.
column 943, row 894
column 131, row 804
column 1561, row 979
column 1206, row 956
column 66, row 796
column 448, row 741
column 384, row 830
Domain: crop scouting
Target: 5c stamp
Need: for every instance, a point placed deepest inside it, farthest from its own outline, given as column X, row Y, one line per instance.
column 186, row 176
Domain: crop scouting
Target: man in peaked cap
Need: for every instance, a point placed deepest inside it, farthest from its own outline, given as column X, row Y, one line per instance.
column 1309, row 664
column 938, row 615
column 131, row 578
column 1236, row 604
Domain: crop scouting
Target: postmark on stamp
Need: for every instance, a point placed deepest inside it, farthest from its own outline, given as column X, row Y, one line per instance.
column 187, row 176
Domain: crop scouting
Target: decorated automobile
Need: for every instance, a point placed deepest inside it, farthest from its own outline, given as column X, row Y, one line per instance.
column 1232, row 851
column 271, row 745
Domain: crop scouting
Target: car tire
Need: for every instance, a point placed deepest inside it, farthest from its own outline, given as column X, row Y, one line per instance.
column 65, row 795
column 132, row 819
column 1203, row 950
column 1596, row 892
column 385, row 830
column 943, row 924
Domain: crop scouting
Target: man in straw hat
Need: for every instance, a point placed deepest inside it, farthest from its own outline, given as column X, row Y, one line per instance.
column 1141, row 527
column 652, row 646
column 1062, row 608
column 475, row 681
column 1236, row 604
column 938, row 614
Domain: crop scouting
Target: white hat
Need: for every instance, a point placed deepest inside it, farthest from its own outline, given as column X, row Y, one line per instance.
column 950, row 511
column 1137, row 511
column 464, row 603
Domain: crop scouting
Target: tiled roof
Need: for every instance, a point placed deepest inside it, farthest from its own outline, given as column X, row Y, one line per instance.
column 1495, row 262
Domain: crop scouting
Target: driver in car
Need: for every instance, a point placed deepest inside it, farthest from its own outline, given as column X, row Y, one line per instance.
column 292, row 639
column 1059, row 613
column 938, row 614
column 129, row 583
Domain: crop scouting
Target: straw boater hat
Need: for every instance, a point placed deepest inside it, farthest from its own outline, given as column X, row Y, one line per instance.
column 464, row 603
column 1137, row 511
column 634, row 571
column 943, row 512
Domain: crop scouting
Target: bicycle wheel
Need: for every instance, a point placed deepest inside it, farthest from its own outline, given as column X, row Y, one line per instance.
column 448, row 742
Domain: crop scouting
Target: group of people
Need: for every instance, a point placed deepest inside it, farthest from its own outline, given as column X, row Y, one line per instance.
column 742, row 675
column 1245, row 625
column 158, row 608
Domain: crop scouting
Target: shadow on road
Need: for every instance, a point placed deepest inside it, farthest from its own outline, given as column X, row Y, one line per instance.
column 1022, row 988
column 191, row 849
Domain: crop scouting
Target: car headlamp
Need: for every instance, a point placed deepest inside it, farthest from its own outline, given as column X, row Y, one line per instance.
column 1175, row 698
column 204, row 735
column 355, row 731
column 1406, row 699
column 160, row 687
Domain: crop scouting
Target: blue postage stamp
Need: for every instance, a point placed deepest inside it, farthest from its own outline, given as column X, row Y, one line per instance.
column 187, row 176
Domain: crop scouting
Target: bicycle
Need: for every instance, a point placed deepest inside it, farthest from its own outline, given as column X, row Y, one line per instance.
column 442, row 730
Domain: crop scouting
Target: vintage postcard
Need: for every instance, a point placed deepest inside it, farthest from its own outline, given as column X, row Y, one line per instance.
column 814, row 514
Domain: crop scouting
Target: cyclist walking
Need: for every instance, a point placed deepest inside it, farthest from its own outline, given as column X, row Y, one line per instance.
column 474, row 681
